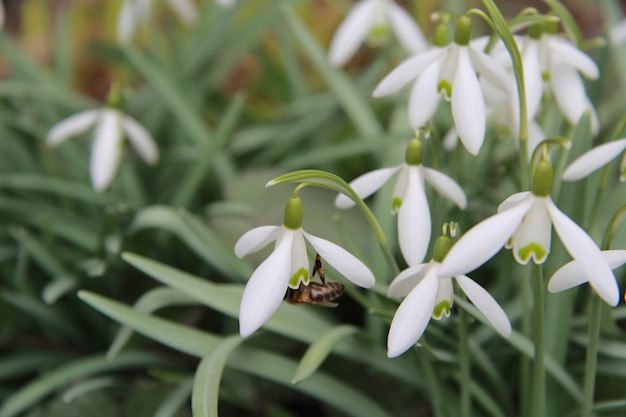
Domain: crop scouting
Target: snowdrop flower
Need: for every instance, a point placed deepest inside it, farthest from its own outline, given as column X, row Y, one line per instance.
column 571, row 275
column 368, row 18
column 287, row 266
column 618, row 33
column 111, row 126
column 430, row 294
column 136, row 11
column 409, row 199
column 596, row 158
column 561, row 63
column 449, row 71
column 523, row 223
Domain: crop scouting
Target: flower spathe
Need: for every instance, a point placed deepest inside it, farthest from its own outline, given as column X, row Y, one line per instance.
column 111, row 126
column 371, row 15
column 593, row 159
column 135, row 11
column 409, row 201
column 523, row 223
column 449, row 72
column 431, row 295
column 571, row 274
column 287, row 266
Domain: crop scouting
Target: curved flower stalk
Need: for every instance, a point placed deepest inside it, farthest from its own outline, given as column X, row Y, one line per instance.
column 409, row 199
column 430, row 294
column 370, row 18
column 523, row 223
column 571, row 274
column 594, row 159
column 111, row 126
column 134, row 12
column 287, row 266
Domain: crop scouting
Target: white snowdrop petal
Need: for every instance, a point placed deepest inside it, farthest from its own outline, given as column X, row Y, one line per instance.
column 408, row 70
column 266, row 288
column 366, row 185
column 414, row 225
column 618, row 33
column 533, row 234
column 71, row 126
column 343, row 261
column 569, row 91
column 533, row 79
column 407, row 280
column 513, row 200
column 584, row 250
column 412, row 317
column 299, row 260
column 574, row 57
column 593, row 159
column 141, row 140
column 256, row 239
column 571, row 275
column 468, row 106
column 424, row 97
column 483, row 241
column 490, row 68
column 486, row 304
column 351, row 32
column 106, row 150
column 446, row 186
column 406, row 30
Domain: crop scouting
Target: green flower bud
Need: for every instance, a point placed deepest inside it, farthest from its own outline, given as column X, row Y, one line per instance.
column 293, row 213
column 442, row 247
column 413, row 154
column 442, row 35
column 463, row 31
column 541, row 181
column 535, row 32
column 114, row 98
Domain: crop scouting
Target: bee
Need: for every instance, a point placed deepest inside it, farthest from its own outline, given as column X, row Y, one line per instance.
column 316, row 293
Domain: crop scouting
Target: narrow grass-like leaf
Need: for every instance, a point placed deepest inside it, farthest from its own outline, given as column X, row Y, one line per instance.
column 186, row 115
column 320, row 349
column 173, row 402
column 149, row 302
column 45, row 93
column 353, row 102
column 525, row 346
column 33, row 392
column 320, row 385
column 174, row 335
column 83, row 387
column 21, row 363
column 206, row 385
column 56, row 289
column 193, row 233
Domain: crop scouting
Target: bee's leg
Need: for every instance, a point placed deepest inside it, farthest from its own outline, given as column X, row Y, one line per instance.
column 319, row 269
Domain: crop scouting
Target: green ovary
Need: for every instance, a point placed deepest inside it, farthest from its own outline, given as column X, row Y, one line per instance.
column 301, row 275
column 441, row 309
column 526, row 252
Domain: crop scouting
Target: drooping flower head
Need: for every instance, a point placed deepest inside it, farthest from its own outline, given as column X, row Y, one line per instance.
column 409, row 199
column 371, row 20
column 287, row 265
column 524, row 224
column 430, row 294
column 111, row 127
column 449, row 72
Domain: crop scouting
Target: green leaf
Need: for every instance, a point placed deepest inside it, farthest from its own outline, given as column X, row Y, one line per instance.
column 320, row 349
column 33, row 392
column 206, row 384
column 177, row 398
column 179, row 337
column 22, row 363
column 149, row 302
column 352, row 101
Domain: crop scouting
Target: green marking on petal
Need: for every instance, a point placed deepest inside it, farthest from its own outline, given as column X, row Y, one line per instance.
column 378, row 36
column 446, row 87
column 442, row 309
column 397, row 202
column 301, row 275
column 540, row 253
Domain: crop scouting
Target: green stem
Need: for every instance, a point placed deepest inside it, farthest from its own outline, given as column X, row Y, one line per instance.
column 466, row 401
column 592, row 356
column 539, row 378
column 434, row 388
